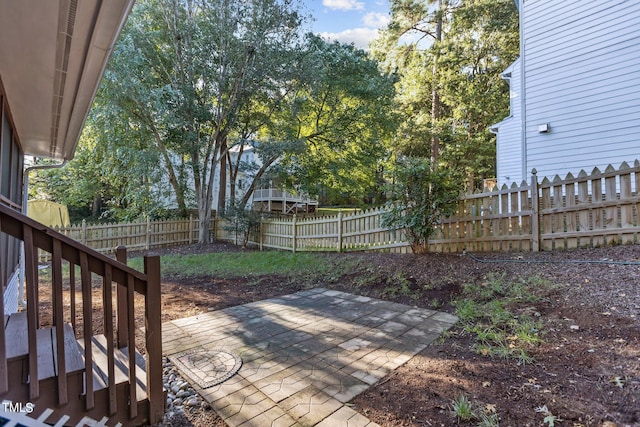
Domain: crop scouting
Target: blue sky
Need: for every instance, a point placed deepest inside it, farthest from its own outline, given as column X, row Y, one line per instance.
column 348, row 21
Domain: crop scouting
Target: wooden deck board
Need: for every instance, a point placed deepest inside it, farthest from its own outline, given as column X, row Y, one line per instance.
column 121, row 360
column 46, row 367
column 17, row 346
column 73, row 356
column 16, row 336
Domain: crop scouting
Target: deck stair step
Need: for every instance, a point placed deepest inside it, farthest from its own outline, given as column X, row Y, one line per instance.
column 121, row 366
column 17, row 346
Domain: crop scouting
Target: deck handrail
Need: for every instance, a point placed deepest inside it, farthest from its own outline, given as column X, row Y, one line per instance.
column 37, row 236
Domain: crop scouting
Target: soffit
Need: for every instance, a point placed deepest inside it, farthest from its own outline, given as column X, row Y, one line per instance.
column 52, row 57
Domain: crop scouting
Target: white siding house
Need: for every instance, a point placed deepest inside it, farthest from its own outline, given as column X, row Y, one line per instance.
column 575, row 90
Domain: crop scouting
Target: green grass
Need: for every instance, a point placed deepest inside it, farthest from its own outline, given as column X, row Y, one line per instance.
column 463, row 409
column 244, row 264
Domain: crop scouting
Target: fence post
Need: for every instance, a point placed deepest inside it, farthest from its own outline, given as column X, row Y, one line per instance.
column 84, row 232
column 148, row 234
column 261, row 231
column 295, row 234
column 535, row 212
column 340, row 230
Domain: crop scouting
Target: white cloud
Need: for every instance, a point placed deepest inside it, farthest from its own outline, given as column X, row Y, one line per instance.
column 360, row 37
column 343, row 4
column 375, row 19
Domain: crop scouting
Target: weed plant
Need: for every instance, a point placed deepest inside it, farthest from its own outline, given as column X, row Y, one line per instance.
column 488, row 310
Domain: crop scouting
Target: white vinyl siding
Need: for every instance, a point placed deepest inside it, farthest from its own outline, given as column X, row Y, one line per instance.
column 582, row 60
column 509, row 136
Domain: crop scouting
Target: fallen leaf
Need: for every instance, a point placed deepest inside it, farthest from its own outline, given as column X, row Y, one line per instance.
column 486, row 384
column 490, row 408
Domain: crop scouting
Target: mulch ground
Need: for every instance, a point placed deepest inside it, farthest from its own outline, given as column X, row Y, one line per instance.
column 585, row 373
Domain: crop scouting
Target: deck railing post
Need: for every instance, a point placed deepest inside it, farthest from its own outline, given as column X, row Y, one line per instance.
column 31, row 275
column 122, row 331
column 153, row 338
column 4, row 373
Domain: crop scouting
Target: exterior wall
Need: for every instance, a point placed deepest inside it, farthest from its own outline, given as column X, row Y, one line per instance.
column 167, row 197
column 509, row 135
column 581, row 62
column 11, row 163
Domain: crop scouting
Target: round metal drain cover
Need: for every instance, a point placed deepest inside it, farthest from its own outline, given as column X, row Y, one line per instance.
column 207, row 367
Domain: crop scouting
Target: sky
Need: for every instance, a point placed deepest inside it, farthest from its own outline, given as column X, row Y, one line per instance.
column 348, row 21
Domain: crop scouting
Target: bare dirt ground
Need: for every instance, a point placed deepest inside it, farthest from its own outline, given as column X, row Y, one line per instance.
column 586, row 372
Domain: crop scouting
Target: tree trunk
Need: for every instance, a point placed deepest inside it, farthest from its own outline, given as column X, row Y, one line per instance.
column 222, row 188
column 256, row 180
column 435, row 97
column 173, row 179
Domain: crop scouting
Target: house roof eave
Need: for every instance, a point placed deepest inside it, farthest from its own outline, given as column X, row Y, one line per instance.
column 54, row 53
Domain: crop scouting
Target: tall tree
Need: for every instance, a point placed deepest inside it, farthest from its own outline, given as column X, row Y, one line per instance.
column 449, row 55
column 185, row 69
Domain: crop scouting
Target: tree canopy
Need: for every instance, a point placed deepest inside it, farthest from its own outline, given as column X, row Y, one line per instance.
column 190, row 81
column 449, row 55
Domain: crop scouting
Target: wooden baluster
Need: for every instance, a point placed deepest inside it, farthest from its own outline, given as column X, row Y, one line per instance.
column 31, row 275
column 107, row 304
column 121, row 304
column 72, row 295
column 85, row 278
column 131, row 338
column 153, row 339
column 58, row 320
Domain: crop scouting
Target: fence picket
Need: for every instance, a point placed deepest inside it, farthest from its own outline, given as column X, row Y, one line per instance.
column 593, row 209
column 570, row 218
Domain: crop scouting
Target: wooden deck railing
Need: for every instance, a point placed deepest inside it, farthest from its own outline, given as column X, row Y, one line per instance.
column 91, row 263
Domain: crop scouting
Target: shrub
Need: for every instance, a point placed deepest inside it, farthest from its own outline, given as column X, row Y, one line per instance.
column 419, row 199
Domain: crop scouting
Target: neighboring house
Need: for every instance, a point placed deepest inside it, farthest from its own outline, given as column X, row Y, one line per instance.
column 267, row 197
column 52, row 57
column 575, row 91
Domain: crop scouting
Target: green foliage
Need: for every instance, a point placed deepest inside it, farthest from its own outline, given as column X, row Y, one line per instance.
column 462, row 66
column 463, row 409
column 489, row 420
column 420, row 198
column 198, row 77
column 494, row 311
column 345, row 116
column 242, row 222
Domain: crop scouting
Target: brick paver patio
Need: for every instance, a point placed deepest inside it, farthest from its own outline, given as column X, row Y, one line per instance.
column 304, row 355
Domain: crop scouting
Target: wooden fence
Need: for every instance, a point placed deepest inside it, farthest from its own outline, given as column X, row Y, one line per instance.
column 135, row 236
column 589, row 210
column 360, row 231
